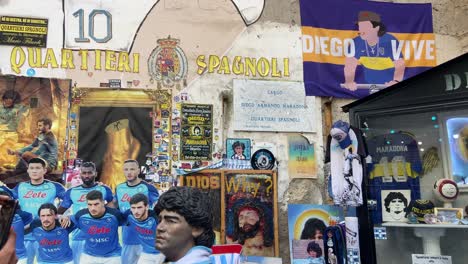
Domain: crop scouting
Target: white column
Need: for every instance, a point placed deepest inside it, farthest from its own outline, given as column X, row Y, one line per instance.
column 430, row 238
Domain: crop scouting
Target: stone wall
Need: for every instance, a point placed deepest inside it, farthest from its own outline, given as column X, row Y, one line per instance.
column 451, row 30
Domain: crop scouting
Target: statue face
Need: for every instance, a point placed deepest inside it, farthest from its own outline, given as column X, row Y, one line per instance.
column 173, row 233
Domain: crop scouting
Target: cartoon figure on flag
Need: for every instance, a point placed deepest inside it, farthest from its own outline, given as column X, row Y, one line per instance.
column 373, row 51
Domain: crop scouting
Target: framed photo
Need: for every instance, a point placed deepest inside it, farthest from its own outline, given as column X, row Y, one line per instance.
column 251, row 211
column 245, row 208
column 305, row 250
column 238, row 148
column 306, row 225
column 115, row 125
column 394, row 204
column 449, row 215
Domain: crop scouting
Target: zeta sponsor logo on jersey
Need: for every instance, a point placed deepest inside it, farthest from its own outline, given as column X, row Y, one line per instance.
column 94, row 230
column 33, row 194
column 53, row 242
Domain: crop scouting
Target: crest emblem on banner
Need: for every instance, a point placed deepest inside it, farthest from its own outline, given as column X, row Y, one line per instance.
column 167, row 64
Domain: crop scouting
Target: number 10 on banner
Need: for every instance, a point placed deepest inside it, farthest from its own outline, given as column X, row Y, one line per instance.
column 80, row 14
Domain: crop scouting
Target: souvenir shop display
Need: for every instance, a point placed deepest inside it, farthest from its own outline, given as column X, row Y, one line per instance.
column 396, row 166
column 334, row 239
column 421, row 208
column 445, row 190
column 307, row 224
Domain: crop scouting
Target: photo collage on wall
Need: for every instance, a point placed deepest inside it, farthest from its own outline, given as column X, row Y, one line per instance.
column 307, row 223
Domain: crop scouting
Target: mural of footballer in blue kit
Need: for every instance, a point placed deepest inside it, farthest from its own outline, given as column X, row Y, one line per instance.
column 75, row 198
column 53, row 240
column 31, row 195
column 373, row 50
column 143, row 221
column 131, row 248
column 99, row 224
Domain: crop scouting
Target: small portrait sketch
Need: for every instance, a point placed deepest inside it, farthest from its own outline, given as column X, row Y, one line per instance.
column 238, row 148
column 394, row 205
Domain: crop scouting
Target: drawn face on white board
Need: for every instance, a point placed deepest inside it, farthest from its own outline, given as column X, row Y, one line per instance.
column 397, row 209
column 394, row 205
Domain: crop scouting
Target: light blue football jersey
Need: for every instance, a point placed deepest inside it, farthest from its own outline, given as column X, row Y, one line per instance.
column 101, row 234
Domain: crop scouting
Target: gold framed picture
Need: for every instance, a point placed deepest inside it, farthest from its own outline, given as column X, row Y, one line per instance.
column 108, row 126
column 449, row 215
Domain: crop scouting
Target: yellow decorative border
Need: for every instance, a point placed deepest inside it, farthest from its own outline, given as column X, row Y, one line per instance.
column 122, row 97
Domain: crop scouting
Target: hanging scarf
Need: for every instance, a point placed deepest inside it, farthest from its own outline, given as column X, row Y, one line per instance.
column 346, row 168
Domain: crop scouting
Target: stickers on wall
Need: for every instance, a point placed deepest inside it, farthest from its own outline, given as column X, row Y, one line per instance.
column 263, row 159
column 238, row 148
column 380, row 233
column 162, row 142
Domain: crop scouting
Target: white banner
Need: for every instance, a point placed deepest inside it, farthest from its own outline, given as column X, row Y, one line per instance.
column 272, row 106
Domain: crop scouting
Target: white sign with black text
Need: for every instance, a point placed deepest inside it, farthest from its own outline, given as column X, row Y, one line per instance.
column 272, row 106
column 428, row 259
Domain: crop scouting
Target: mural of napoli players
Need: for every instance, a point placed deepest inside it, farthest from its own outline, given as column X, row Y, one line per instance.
column 373, row 52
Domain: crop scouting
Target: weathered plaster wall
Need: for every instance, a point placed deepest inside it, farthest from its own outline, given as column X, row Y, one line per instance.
column 451, row 30
column 280, row 21
column 276, row 34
